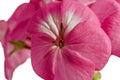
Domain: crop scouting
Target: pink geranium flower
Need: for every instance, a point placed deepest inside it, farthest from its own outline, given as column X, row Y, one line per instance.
column 16, row 42
column 108, row 12
column 67, row 42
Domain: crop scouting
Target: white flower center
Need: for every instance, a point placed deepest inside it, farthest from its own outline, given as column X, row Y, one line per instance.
column 57, row 29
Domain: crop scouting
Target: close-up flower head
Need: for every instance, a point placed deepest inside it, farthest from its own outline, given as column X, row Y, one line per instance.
column 65, row 39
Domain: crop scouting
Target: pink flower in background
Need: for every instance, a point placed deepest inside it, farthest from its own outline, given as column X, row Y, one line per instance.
column 108, row 12
column 16, row 42
column 67, row 42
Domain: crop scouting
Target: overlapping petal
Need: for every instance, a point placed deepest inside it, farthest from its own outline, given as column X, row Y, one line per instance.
column 109, row 15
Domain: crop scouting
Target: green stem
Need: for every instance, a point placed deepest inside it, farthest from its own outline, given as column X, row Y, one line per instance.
column 97, row 75
column 18, row 45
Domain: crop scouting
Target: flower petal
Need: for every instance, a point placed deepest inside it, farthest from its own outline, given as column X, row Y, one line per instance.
column 90, row 40
column 42, row 56
column 103, row 8
column 3, row 29
column 111, row 22
column 70, row 66
column 46, row 20
column 73, row 13
column 17, row 31
column 111, row 25
column 12, row 62
column 18, row 21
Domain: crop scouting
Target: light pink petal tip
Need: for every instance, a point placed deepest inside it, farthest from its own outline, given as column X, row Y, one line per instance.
column 3, row 29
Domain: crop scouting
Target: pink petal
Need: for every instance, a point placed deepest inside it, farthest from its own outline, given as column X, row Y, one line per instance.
column 13, row 61
column 40, row 20
column 75, row 13
column 111, row 22
column 87, row 37
column 91, row 43
column 42, row 56
column 49, row 63
column 104, row 8
column 36, row 3
column 70, row 66
column 3, row 29
column 18, row 21
column 111, row 25
column 17, row 31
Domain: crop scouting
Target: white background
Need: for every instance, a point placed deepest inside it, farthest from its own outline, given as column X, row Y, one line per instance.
column 25, row 72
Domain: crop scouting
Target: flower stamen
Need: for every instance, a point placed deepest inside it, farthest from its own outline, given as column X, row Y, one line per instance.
column 61, row 44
